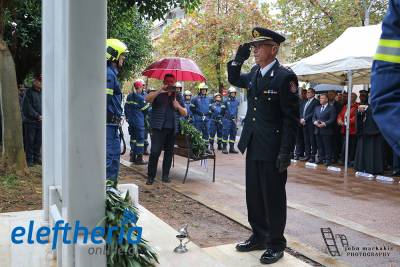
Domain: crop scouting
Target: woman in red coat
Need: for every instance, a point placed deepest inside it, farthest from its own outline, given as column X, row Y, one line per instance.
column 342, row 121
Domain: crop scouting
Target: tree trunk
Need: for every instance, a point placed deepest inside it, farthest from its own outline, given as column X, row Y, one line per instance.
column 13, row 155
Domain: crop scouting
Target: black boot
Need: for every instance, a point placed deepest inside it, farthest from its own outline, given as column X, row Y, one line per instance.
column 224, row 149
column 150, row 180
column 145, row 150
column 232, row 149
column 219, row 146
column 139, row 160
column 211, row 146
column 132, row 157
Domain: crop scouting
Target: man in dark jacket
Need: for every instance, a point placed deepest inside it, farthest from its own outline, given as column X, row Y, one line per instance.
column 166, row 102
column 269, row 135
column 32, row 119
column 324, row 119
column 306, row 114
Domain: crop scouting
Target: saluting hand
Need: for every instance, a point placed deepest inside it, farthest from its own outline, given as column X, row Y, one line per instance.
column 243, row 53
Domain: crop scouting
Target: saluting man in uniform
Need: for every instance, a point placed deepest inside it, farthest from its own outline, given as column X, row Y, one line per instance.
column 269, row 135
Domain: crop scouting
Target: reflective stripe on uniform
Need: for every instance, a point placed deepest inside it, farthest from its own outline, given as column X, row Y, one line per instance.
column 231, row 141
column 109, row 91
column 139, row 144
column 129, row 102
column 133, row 141
column 145, row 107
column 388, row 50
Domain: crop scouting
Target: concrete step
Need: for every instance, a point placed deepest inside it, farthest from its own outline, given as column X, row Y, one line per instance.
column 162, row 238
column 230, row 257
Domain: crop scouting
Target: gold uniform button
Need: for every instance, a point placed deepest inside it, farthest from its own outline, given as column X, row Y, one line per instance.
column 255, row 98
column 254, row 119
column 255, row 109
column 269, row 99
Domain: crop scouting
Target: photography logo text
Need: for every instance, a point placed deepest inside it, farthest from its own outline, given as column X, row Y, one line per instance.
column 335, row 241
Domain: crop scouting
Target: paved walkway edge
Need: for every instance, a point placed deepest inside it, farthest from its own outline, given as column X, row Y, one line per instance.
column 296, row 245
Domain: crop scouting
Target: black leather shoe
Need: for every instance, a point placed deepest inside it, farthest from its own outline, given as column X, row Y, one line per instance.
column 312, row 160
column 304, row 158
column 296, row 157
column 319, row 161
column 271, row 256
column 139, row 160
column 166, row 180
column 249, row 245
column 150, row 181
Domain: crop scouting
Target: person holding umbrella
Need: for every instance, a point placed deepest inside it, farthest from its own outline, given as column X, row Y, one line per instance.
column 164, row 124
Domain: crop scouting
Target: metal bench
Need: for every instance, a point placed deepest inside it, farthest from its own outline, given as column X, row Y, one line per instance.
column 183, row 148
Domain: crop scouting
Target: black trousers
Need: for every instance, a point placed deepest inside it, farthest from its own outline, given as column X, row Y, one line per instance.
column 310, row 144
column 161, row 139
column 299, row 151
column 33, row 141
column 266, row 202
column 352, row 147
column 325, row 147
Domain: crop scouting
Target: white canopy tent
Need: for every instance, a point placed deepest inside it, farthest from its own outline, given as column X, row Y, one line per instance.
column 346, row 61
column 353, row 50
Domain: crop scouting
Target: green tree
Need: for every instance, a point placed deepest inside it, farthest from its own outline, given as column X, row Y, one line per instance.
column 311, row 25
column 20, row 48
column 212, row 34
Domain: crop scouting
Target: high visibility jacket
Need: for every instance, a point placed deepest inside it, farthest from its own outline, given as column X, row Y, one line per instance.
column 385, row 78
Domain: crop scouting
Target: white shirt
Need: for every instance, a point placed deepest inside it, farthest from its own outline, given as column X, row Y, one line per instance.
column 267, row 68
column 324, row 107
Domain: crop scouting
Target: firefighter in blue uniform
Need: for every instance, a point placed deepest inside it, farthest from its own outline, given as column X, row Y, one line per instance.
column 385, row 78
column 146, row 123
column 229, row 113
column 115, row 56
column 269, row 135
column 216, row 121
column 201, row 113
column 135, row 107
column 188, row 101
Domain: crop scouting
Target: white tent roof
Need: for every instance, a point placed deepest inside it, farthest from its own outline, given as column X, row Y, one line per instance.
column 353, row 50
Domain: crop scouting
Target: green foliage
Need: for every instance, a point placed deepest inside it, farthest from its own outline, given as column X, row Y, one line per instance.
column 211, row 35
column 22, row 33
column 143, row 254
column 199, row 146
column 9, row 180
column 312, row 25
column 156, row 9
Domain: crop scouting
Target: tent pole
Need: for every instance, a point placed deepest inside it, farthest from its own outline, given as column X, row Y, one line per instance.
column 349, row 91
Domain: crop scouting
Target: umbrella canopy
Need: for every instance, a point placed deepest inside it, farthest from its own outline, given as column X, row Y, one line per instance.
column 183, row 69
column 323, row 88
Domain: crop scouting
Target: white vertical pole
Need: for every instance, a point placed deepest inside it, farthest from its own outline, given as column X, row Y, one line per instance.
column 349, row 91
column 48, row 102
column 84, row 198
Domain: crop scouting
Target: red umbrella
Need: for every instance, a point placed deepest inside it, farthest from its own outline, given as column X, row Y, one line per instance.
column 183, row 69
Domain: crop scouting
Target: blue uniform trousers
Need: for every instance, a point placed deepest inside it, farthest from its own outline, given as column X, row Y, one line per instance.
column 229, row 131
column 215, row 127
column 203, row 127
column 113, row 152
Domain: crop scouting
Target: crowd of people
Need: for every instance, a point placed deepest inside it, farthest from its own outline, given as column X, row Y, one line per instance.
column 215, row 117
column 321, row 134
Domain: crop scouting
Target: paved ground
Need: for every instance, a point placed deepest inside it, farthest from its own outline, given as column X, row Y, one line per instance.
column 365, row 211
